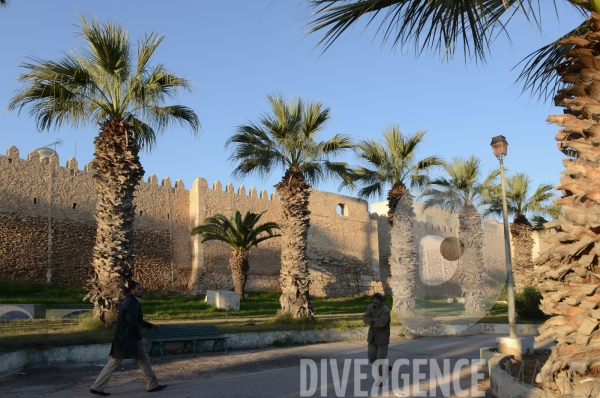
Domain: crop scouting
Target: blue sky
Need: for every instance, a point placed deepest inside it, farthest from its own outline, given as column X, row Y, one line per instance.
column 237, row 51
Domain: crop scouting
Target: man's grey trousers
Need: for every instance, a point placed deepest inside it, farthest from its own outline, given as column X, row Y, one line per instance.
column 142, row 360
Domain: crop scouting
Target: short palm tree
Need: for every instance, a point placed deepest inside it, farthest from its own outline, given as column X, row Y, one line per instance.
column 110, row 84
column 566, row 69
column 393, row 163
column 462, row 189
column 286, row 138
column 4, row 3
column 519, row 204
column 240, row 234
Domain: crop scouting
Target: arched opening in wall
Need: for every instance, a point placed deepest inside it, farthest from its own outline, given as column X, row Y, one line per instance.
column 341, row 210
column 74, row 206
column 72, row 172
column 168, row 216
column 35, row 201
column 141, row 213
column 9, row 160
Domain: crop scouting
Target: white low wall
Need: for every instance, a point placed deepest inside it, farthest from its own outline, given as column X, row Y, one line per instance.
column 12, row 362
column 98, row 353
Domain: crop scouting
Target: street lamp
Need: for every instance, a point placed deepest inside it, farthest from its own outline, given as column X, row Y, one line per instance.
column 500, row 148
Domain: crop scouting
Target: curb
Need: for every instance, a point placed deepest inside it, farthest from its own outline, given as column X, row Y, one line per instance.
column 14, row 362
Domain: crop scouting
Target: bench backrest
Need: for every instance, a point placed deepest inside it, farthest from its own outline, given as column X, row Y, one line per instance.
column 182, row 331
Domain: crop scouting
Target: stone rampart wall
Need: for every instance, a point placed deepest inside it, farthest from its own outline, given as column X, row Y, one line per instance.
column 37, row 193
column 341, row 260
column 343, row 248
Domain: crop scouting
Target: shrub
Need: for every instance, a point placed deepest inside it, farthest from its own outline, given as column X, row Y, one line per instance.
column 527, row 303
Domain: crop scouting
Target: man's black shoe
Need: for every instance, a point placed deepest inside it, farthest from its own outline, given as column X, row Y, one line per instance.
column 158, row 388
column 104, row 394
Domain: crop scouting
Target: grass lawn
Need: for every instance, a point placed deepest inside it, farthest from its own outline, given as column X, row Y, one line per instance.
column 258, row 314
column 454, row 313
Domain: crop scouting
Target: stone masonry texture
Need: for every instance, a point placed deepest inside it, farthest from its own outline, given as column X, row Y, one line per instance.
column 47, row 232
column 46, row 206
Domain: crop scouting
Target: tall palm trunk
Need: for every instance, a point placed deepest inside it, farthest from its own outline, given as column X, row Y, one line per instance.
column 294, row 192
column 394, row 196
column 403, row 259
column 521, row 231
column 239, row 264
column 569, row 272
column 471, row 262
column 117, row 172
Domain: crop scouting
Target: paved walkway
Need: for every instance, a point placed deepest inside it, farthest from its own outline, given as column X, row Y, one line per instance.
column 273, row 372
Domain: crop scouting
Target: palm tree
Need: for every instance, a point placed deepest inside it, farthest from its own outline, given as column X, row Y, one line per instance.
column 462, row 190
column 241, row 234
column 3, row 3
column 286, row 138
column 519, row 204
column 570, row 264
column 553, row 210
column 110, row 85
column 392, row 162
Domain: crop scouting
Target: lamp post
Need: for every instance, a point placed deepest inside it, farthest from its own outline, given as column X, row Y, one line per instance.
column 500, row 148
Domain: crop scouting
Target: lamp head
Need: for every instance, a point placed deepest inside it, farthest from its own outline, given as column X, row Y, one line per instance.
column 499, row 146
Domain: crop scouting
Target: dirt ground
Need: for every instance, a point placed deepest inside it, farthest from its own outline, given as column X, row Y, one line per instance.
column 526, row 369
column 177, row 367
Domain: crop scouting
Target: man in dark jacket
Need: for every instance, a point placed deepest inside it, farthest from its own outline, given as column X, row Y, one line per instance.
column 128, row 343
column 378, row 319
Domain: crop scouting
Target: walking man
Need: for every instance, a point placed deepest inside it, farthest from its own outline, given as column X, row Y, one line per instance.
column 378, row 319
column 129, row 343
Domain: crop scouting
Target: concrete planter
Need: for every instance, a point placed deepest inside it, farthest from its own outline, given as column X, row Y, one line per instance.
column 502, row 384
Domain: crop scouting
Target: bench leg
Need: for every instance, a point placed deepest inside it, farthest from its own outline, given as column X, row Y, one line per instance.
column 185, row 343
column 160, row 347
column 225, row 345
column 194, row 348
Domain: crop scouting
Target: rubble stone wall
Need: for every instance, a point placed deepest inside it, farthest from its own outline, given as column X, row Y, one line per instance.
column 35, row 193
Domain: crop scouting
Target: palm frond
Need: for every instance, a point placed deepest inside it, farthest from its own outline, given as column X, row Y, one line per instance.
column 100, row 82
column 108, row 49
column 286, row 137
column 392, row 160
column 460, row 186
column 537, row 75
column 439, row 26
column 240, row 233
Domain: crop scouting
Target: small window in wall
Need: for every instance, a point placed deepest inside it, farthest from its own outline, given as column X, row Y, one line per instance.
column 72, row 172
column 74, row 206
column 141, row 213
column 341, row 210
column 168, row 216
column 9, row 160
column 35, row 201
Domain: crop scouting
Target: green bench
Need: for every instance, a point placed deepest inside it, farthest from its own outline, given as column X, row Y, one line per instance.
column 188, row 334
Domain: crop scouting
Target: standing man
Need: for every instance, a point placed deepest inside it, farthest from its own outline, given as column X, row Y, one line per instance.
column 128, row 343
column 378, row 319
